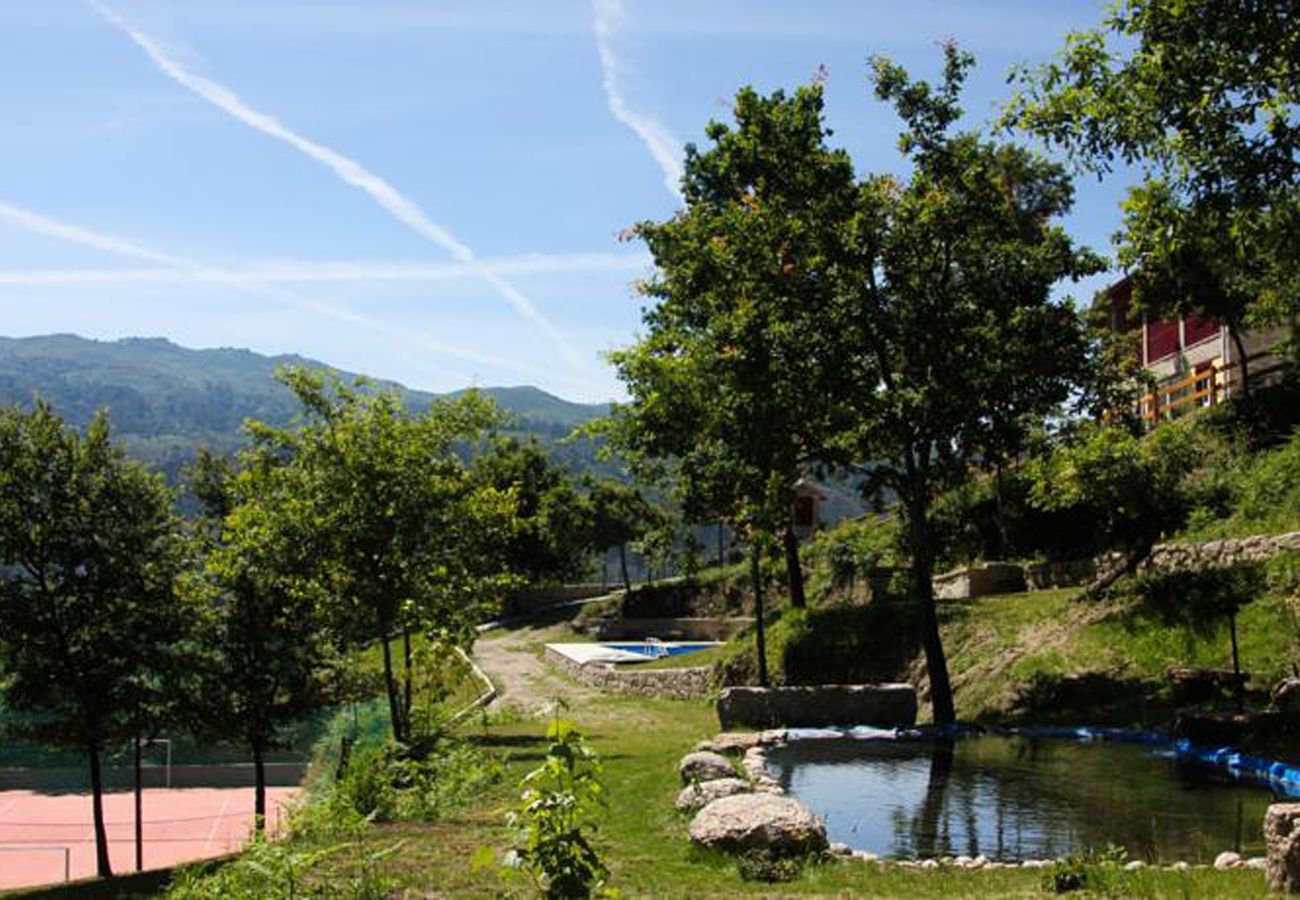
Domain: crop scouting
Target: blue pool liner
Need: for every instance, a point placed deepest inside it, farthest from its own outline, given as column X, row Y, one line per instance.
column 1277, row 776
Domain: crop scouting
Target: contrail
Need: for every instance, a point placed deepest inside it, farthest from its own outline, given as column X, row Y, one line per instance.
column 314, row 272
column 661, row 143
column 199, row 272
column 347, row 169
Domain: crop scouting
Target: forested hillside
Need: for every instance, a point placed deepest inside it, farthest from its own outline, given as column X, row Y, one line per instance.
column 166, row 401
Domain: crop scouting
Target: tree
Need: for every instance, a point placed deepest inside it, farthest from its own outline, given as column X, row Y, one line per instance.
column 1127, row 486
column 407, row 539
column 730, row 377
column 265, row 641
column 1202, row 95
column 549, row 540
column 89, row 550
column 616, row 514
column 946, row 322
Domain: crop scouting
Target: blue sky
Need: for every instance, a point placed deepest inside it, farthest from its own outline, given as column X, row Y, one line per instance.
column 425, row 191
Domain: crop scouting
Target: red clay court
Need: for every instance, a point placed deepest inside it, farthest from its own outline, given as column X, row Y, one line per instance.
column 180, row 824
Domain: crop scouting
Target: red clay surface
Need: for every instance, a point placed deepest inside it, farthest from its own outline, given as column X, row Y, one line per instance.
column 179, row 825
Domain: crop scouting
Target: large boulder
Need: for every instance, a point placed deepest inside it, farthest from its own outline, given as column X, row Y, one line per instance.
column 701, row 794
column 882, row 705
column 1282, row 835
column 704, row 765
column 744, row 822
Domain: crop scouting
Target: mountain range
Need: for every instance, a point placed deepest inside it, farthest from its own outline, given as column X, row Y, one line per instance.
column 165, row 401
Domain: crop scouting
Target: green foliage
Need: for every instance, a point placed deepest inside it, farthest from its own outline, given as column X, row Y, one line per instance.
column 769, row 868
column 1129, row 487
column 322, row 858
column 556, row 817
column 1199, row 599
column 95, row 638
column 549, row 540
column 1203, row 95
column 403, row 537
column 388, row 784
column 1099, row 872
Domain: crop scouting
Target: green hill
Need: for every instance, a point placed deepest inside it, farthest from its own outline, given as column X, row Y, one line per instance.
column 166, row 400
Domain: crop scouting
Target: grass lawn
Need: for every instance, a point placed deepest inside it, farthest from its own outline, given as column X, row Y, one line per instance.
column 643, row 839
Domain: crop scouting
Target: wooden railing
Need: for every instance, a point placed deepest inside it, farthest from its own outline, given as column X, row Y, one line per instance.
column 1200, row 389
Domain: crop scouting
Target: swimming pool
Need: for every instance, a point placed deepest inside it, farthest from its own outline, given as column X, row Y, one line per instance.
column 657, row 650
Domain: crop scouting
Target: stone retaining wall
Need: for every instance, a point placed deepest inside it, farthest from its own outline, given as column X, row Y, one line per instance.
column 685, row 629
column 976, row 581
column 1225, row 552
column 881, row 705
column 530, row 600
column 1169, row 557
column 678, row 684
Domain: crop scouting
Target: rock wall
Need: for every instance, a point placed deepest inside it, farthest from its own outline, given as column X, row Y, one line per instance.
column 1214, row 554
column 976, row 581
column 684, row 629
column 679, row 684
column 1170, row 557
column 882, row 705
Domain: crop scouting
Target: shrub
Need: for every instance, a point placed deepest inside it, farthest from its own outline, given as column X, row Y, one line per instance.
column 387, row 784
column 1096, row 871
column 556, row 817
column 763, row 865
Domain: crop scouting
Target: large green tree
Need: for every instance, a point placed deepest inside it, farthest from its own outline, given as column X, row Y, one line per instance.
column 89, row 618
column 1204, row 97
column 947, row 323
column 407, row 539
column 265, row 642
column 549, row 542
column 730, row 377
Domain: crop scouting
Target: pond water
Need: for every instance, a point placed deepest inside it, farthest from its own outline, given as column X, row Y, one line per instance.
column 1019, row 798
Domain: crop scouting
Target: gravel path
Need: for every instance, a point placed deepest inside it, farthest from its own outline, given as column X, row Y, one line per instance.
column 523, row 680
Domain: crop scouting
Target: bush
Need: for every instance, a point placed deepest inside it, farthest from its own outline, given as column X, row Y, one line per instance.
column 387, row 784
column 1096, row 871
column 556, row 818
column 763, row 865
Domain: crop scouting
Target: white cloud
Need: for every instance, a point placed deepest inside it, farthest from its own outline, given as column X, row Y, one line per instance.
column 311, row 272
column 663, row 146
column 347, row 169
column 198, row 272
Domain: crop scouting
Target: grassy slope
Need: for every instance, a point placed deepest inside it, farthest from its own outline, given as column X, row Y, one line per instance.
column 997, row 643
column 644, row 840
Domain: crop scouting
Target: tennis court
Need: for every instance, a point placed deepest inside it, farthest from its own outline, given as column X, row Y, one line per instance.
column 41, row 833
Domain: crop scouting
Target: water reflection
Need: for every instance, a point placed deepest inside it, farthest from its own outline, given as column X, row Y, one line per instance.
column 1018, row 798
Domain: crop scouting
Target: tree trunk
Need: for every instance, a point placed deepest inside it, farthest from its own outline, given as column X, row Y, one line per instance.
column 407, row 686
column 622, row 566
column 1000, row 511
column 793, row 570
column 102, row 865
column 1236, row 662
column 259, row 786
column 936, row 663
column 1243, row 367
column 760, row 630
column 394, row 701
column 139, row 810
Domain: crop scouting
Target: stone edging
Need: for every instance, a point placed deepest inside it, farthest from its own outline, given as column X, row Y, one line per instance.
column 685, row 683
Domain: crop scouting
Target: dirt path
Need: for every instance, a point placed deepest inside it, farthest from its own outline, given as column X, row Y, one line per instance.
column 523, row 680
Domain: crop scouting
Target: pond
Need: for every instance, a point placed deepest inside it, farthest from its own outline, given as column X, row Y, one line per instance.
column 1013, row 798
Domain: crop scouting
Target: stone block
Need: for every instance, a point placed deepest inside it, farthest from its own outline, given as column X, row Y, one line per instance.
column 1282, row 836
column 881, row 705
